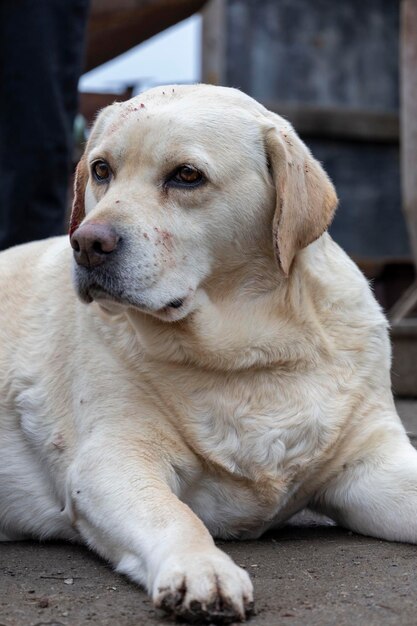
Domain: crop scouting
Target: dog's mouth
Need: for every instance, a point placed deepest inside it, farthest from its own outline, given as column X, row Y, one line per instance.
column 98, row 294
column 175, row 304
column 113, row 300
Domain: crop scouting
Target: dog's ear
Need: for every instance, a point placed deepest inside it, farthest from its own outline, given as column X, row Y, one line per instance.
column 81, row 172
column 80, row 183
column 305, row 197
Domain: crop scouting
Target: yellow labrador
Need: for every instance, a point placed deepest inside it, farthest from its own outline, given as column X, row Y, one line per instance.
column 224, row 366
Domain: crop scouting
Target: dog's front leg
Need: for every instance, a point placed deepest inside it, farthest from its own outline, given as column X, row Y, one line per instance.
column 376, row 495
column 123, row 507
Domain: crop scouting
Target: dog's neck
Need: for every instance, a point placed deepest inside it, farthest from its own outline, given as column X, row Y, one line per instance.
column 251, row 318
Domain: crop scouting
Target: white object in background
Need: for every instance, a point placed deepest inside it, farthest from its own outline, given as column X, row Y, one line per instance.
column 173, row 56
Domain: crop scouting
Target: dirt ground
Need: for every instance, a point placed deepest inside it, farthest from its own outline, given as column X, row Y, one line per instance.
column 309, row 574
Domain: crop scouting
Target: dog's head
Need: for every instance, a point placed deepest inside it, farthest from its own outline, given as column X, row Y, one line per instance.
column 181, row 182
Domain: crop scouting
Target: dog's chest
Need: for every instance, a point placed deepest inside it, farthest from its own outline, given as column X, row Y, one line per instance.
column 242, row 436
column 256, row 441
column 255, row 426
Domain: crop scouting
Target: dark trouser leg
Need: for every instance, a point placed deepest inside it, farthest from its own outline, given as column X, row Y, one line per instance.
column 41, row 49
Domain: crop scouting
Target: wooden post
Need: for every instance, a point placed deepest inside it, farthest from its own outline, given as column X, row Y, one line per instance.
column 214, row 43
column 408, row 71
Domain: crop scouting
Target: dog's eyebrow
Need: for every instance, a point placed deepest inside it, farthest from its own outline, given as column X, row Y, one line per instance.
column 195, row 158
column 104, row 152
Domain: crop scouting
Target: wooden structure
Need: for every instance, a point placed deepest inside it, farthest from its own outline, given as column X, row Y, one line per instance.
column 115, row 26
column 409, row 142
column 333, row 70
column 404, row 313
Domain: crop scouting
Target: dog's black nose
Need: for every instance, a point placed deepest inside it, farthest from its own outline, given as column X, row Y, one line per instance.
column 93, row 243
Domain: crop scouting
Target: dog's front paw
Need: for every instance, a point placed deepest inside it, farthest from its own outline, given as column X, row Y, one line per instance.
column 204, row 588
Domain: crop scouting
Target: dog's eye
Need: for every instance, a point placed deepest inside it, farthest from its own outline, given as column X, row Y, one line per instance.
column 186, row 176
column 101, row 171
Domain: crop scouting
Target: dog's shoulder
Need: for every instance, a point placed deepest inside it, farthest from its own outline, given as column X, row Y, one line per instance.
column 350, row 318
column 338, row 286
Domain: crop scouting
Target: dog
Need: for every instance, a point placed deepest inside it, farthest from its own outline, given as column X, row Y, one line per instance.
column 220, row 365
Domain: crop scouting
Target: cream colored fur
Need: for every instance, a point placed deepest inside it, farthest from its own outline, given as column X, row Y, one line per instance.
column 143, row 430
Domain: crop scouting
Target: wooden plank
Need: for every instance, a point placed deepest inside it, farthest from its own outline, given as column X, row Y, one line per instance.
column 408, row 59
column 409, row 117
column 404, row 307
column 404, row 358
column 339, row 123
